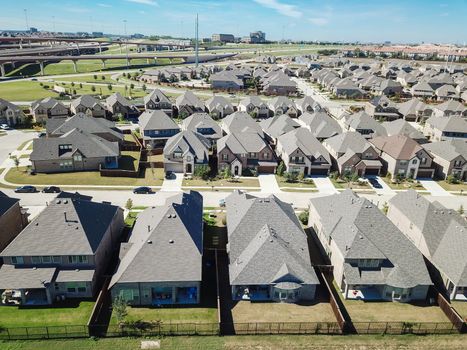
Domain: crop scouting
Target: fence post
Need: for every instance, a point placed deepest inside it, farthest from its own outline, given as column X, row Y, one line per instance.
column 8, row 333
column 27, row 333
column 47, row 331
column 256, row 328
column 300, row 328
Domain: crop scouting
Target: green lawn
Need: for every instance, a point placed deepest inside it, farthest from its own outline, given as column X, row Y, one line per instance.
column 20, row 147
column 266, row 342
column 20, row 176
column 66, row 313
column 339, row 183
column 453, row 187
column 89, row 78
column 170, row 315
column 243, row 182
column 403, row 185
column 130, row 160
column 308, row 183
column 24, row 91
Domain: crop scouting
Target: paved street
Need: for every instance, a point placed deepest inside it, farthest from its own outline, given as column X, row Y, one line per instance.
column 11, row 141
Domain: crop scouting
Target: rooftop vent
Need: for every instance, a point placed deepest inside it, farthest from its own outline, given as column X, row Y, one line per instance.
column 174, row 215
column 149, row 228
column 149, row 241
column 76, row 270
column 171, row 241
column 59, row 201
column 34, row 268
column 65, row 201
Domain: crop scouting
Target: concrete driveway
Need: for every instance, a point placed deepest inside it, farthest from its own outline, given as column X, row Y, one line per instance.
column 385, row 190
column 433, row 187
column 324, row 185
column 268, row 183
column 174, row 184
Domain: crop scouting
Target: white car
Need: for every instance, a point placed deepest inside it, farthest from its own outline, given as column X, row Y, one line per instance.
column 5, row 127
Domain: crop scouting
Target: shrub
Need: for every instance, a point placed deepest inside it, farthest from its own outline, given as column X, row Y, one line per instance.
column 334, row 175
column 280, row 169
column 202, row 171
column 303, row 217
column 452, row 179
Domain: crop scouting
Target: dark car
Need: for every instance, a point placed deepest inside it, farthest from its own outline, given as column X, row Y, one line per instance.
column 51, row 189
column 169, row 175
column 142, row 190
column 375, row 183
column 26, row 189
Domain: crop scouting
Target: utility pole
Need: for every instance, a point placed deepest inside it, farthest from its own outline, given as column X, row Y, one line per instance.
column 196, row 42
column 26, row 18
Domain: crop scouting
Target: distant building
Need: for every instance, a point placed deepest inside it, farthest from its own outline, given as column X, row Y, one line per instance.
column 223, row 38
column 258, row 37
column 97, row 34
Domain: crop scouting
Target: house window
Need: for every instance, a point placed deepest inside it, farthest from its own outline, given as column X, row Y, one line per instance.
column 401, row 171
column 76, row 287
column 368, row 263
column 177, row 154
column 36, row 259
column 403, row 162
column 424, row 160
column 457, row 163
column 57, row 259
column 252, row 155
column 17, row 260
column 46, row 259
column 78, row 158
column 266, row 155
column 414, row 161
column 188, row 158
column 225, row 157
column 78, row 259
column 67, row 164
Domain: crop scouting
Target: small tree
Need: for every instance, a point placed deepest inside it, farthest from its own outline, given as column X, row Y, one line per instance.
column 103, row 77
column 303, row 216
column 80, row 85
column 334, row 175
column 301, row 177
column 280, row 169
column 202, row 172
column 144, row 87
column 461, row 210
column 226, row 173
column 119, row 307
column 93, row 88
column 354, row 177
column 109, row 86
column 290, row 176
column 15, row 160
column 72, row 83
column 95, row 77
column 129, row 204
column 132, row 86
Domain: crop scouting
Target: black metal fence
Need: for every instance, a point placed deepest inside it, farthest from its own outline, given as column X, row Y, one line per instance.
column 396, row 328
column 257, row 328
column 48, row 332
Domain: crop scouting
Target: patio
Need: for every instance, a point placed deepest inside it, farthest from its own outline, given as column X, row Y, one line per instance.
column 363, row 294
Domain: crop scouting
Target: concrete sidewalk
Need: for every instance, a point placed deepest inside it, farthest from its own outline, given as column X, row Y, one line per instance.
column 433, row 187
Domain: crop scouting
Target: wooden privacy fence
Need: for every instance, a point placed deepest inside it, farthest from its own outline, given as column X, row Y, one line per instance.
column 456, row 319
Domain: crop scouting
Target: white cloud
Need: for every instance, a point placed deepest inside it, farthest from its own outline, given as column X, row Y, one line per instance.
column 284, row 9
column 104, row 5
column 144, row 2
column 318, row 21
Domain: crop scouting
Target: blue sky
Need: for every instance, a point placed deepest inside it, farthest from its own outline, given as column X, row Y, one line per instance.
column 336, row 20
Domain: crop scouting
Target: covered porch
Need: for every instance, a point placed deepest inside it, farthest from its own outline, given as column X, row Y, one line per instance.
column 174, row 295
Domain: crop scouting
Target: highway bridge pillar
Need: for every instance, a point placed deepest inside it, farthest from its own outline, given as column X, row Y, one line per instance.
column 77, row 47
column 103, row 64
column 120, row 49
column 41, row 65
column 21, row 44
column 75, row 66
column 100, row 48
column 2, row 70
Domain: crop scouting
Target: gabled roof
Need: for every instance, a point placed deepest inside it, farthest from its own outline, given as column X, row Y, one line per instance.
column 67, row 226
column 348, row 141
column 448, row 150
column 398, row 147
column 201, row 120
column 266, row 242
column 362, row 121
column 412, row 106
column 304, row 140
column 117, row 97
column 254, row 100
column 166, row 244
column 278, row 125
column 452, row 123
column 4, row 104
column 6, row 203
column 241, row 122
column 359, row 228
column 47, row 103
column 189, row 141
column 156, row 120
column 156, row 95
column 321, row 124
column 189, row 98
column 402, row 127
column 87, row 101
column 218, row 102
column 242, row 143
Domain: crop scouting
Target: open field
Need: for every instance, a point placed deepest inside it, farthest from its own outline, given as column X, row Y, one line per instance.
column 361, row 311
column 20, row 176
column 247, row 312
column 24, row 91
column 267, row 342
column 66, row 313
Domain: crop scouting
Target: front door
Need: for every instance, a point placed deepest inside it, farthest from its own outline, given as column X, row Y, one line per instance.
column 236, row 170
column 189, row 169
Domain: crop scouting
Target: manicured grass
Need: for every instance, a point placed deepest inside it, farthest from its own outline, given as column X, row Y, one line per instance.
column 245, row 312
column 404, row 185
column 129, row 160
column 338, row 183
column 88, row 78
column 461, row 308
column 453, row 187
column 101, row 90
column 129, row 138
column 20, row 176
column 361, row 311
column 24, row 91
column 20, row 147
column 67, row 313
column 266, row 342
column 243, row 182
column 170, row 315
column 307, row 183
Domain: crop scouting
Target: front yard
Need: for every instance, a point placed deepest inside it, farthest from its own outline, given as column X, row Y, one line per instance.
column 404, row 185
column 342, row 184
column 307, row 183
column 68, row 312
column 152, row 177
column 462, row 186
column 250, row 312
column 219, row 183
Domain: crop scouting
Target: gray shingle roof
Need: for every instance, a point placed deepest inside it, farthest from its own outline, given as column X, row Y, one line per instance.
column 12, row 277
column 189, row 141
column 321, row 125
column 64, row 227
column 6, row 203
column 87, row 101
column 156, row 120
column 363, row 121
column 278, row 125
column 360, row 229
column 157, row 96
column 401, row 127
column 189, row 98
column 241, row 122
column 242, row 143
column 304, row 140
column 447, row 150
column 266, row 242
column 348, row 141
column 444, row 231
column 453, row 123
column 75, row 276
column 166, row 243
column 202, row 120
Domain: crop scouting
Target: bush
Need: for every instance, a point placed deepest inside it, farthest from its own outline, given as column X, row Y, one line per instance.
column 290, row 177
column 334, row 175
column 303, row 217
column 280, row 169
column 452, row 179
column 202, row 171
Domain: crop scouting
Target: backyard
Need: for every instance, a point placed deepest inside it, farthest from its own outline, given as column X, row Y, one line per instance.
column 63, row 313
column 461, row 308
column 152, row 177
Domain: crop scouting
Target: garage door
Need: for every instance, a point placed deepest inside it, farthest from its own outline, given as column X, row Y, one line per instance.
column 425, row 173
column 319, row 171
column 175, row 167
column 266, row 169
column 371, row 171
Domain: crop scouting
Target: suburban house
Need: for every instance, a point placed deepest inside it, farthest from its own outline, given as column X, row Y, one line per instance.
column 446, row 92
column 415, row 110
column 267, row 251
column 101, row 127
column 283, row 105
column 302, row 153
column 241, row 122
column 219, row 107
column 186, row 151
column 382, row 108
column 278, row 125
column 307, row 105
column 439, row 234
column 372, row 258
column 226, row 80
column 422, row 89
column 88, row 105
column 116, row 105
column 63, row 253
column 10, row 113
column 321, row 125
column 364, row 124
column 450, row 108
column 77, row 150
column 445, row 128
column 157, row 100
column 278, row 83
column 402, row 127
column 402, row 156
column 187, row 104
column 254, row 106
column 156, row 128
column 203, row 124
column 388, row 87
column 161, row 263
column 449, row 158
column 243, row 152
column 48, row 108
column 12, row 219
column 352, row 153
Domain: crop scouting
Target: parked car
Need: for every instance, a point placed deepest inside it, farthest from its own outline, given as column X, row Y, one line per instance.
column 5, row 127
column 142, row 190
column 51, row 189
column 374, row 183
column 169, row 175
column 26, row 189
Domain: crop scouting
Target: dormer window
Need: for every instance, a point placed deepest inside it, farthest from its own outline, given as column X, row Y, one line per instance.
column 77, row 157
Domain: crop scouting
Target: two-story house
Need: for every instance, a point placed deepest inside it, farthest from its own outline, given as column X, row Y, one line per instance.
column 449, row 158
column 187, row 104
column 203, row 124
column 219, row 107
column 155, row 100
column 321, row 125
column 302, row 153
column 10, row 113
column 88, row 105
column 156, row 128
column 445, row 128
column 382, row 108
column 254, row 106
column 362, row 123
column 12, row 219
column 48, row 108
column 63, row 253
column 117, row 105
